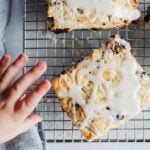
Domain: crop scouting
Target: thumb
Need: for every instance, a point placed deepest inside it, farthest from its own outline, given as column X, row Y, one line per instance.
column 30, row 122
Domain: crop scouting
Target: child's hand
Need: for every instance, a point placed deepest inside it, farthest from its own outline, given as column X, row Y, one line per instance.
column 15, row 110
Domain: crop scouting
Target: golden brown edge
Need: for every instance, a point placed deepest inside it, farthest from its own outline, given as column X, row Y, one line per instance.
column 54, row 27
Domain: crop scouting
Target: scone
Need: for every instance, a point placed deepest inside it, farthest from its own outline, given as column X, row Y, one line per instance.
column 104, row 90
column 91, row 14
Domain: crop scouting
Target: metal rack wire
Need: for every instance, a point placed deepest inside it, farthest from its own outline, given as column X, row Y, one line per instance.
column 60, row 51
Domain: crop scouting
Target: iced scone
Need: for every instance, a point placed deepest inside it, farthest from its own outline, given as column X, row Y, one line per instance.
column 67, row 15
column 104, row 90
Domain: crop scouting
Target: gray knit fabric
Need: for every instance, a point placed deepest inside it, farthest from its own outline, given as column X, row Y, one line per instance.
column 26, row 141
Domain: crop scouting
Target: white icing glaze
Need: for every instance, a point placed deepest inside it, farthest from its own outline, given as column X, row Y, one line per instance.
column 121, row 98
column 105, row 8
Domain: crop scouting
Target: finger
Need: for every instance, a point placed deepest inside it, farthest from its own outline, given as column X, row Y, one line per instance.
column 21, row 85
column 4, row 62
column 30, row 122
column 28, row 104
column 10, row 73
column 2, row 104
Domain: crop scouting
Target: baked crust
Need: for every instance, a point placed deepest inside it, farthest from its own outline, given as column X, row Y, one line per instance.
column 63, row 18
column 96, row 126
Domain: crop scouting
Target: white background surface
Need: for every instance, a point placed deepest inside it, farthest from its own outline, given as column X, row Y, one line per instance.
column 103, row 146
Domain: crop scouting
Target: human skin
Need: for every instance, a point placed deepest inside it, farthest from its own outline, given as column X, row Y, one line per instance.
column 15, row 108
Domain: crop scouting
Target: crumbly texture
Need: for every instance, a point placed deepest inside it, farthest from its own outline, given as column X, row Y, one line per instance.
column 97, row 126
column 59, row 10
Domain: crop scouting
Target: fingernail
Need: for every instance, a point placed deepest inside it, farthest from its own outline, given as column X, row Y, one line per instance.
column 23, row 58
column 6, row 58
column 42, row 65
column 46, row 84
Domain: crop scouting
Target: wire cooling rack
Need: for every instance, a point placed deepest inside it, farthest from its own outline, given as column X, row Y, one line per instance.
column 60, row 51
